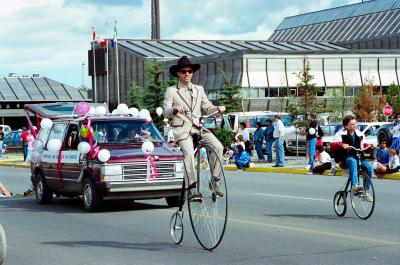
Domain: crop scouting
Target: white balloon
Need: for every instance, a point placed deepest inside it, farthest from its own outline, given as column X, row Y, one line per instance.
column 159, row 111
column 101, row 110
column 54, row 145
column 36, row 157
column 104, row 155
column 145, row 114
column 114, row 112
column 92, row 110
column 122, row 108
column 147, row 147
column 134, row 112
column 84, row 148
column 311, row 131
column 46, row 124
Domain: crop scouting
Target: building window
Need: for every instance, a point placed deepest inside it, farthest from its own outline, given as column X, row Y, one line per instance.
column 332, row 71
column 276, row 72
column 369, row 71
column 273, row 92
column 294, row 67
column 351, row 72
column 387, row 71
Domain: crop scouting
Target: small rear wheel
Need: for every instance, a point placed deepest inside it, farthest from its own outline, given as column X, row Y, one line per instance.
column 363, row 202
column 340, row 203
column 3, row 245
column 176, row 226
column 92, row 201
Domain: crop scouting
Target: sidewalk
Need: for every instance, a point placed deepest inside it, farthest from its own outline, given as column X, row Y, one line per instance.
column 293, row 165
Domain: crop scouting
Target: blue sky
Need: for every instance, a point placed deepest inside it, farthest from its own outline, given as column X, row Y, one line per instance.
column 51, row 37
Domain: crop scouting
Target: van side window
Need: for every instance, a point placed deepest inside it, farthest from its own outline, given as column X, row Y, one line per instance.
column 72, row 139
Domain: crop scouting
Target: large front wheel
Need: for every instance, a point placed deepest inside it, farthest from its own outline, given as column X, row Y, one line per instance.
column 208, row 217
column 363, row 202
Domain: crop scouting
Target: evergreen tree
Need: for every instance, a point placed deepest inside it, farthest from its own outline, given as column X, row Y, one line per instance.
column 308, row 92
column 230, row 95
column 393, row 97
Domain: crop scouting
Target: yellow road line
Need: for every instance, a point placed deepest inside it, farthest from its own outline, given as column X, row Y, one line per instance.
column 305, row 230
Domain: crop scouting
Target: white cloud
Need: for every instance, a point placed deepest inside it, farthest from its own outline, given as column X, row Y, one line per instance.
column 51, row 37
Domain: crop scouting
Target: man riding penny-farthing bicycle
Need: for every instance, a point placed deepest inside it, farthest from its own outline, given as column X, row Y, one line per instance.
column 184, row 105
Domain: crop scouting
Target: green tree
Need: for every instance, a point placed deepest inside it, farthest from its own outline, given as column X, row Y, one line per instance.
column 393, row 97
column 151, row 96
column 308, row 91
column 230, row 95
column 224, row 135
column 336, row 106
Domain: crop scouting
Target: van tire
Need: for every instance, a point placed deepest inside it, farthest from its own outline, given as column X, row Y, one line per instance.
column 92, row 201
column 43, row 194
column 173, row 201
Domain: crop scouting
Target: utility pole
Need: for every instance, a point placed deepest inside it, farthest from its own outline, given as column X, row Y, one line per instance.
column 155, row 20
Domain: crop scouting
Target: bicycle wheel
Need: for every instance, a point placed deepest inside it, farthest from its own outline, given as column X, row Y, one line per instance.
column 176, row 226
column 208, row 218
column 3, row 245
column 361, row 202
column 340, row 203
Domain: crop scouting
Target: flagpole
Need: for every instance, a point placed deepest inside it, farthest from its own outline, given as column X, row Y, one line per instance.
column 94, row 66
column 116, row 51
column 108, row 83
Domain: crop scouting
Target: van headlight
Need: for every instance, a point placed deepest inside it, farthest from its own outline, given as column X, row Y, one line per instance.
column 111, row 172
column 179, row 167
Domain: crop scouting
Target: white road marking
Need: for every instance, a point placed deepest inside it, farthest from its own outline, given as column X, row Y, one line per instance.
column 291, row 197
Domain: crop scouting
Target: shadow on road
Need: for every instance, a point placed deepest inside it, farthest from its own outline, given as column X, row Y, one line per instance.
column 66, row 206
column 309, row 216
column 151, row 246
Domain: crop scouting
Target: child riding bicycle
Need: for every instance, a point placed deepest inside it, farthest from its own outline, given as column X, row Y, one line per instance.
column 351, row 137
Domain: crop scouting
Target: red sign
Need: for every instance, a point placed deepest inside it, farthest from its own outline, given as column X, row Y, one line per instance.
column 387, row 110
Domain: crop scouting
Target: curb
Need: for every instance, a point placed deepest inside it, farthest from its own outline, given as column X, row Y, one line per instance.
column 251, row 169
column 301, row 171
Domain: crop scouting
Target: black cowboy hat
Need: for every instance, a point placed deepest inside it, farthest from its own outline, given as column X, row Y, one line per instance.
column 182, row 63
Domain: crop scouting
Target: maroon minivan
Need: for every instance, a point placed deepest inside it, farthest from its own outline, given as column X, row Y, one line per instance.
column 125, row 175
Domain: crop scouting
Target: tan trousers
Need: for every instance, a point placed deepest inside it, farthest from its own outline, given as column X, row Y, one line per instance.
column 189, row 160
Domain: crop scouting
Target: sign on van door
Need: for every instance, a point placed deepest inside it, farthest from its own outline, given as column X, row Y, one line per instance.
column 67, row 157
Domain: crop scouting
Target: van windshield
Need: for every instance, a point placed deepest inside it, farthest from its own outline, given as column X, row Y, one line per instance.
column 251, row 120
column 125, row 131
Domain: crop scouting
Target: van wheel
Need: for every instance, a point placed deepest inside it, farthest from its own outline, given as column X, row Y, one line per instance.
column 92, row 201
column 43, row 194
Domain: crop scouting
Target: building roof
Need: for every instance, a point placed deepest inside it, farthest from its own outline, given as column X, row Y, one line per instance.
column 172, row 49
column 368, row 20
column 31, row 89
column 342, row 12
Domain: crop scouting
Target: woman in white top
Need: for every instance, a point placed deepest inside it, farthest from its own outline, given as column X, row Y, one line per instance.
column 246, row 136
column 324, row 162
column 395, row 130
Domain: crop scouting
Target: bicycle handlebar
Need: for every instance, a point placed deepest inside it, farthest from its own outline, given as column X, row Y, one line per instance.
column 358, row 150
column 202, row 116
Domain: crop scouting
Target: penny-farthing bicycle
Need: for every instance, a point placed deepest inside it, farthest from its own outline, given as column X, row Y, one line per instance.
column 208, row 218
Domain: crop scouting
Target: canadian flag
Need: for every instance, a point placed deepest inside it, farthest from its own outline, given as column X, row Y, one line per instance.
column 102, row 42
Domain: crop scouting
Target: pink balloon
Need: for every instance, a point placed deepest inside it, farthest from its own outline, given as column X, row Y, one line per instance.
column 82, row 108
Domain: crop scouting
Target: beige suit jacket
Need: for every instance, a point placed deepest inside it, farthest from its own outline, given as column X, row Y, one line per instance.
column 196, row 101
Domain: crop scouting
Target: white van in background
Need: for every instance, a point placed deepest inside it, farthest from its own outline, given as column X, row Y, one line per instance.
column 6, row 129
column 251, row 117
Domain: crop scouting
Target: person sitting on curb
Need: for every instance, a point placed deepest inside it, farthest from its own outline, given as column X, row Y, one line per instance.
column 381, row 159
column 324, row 162
column 228, row 156
column 4, row 192
column 242, row 158
column 394, row 162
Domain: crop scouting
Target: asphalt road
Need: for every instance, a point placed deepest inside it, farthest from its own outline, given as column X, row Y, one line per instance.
column 273, row 219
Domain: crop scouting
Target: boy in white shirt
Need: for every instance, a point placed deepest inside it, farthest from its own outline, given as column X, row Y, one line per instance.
column 324, row 162
column 394, row 162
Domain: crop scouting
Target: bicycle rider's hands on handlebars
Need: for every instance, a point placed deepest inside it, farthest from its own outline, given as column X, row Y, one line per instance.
column 179, row 109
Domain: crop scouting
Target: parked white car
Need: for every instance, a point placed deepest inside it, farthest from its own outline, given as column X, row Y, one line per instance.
column 6, row 129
